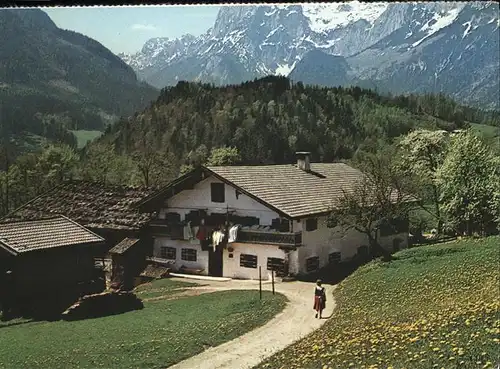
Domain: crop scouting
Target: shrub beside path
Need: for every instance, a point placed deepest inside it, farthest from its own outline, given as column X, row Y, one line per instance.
column 294, row 322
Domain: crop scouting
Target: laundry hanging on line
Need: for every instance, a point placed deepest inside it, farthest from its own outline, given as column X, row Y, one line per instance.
column 188, row 231
column 217, row 238
column 202, row 233
column 194, row 240
column 233, row 233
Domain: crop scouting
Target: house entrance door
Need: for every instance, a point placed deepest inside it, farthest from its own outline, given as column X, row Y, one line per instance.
column 215, row 262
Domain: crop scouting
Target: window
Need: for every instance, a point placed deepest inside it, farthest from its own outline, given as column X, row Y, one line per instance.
column 334, row 257
column 311, row 224
column 312, row 264
column 188, row 254
column 168, row 253
column 248, row 261
column 276, row 264
column 217, row 192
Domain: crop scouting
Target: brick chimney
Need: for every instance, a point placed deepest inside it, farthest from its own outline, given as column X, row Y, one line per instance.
column 303, row 160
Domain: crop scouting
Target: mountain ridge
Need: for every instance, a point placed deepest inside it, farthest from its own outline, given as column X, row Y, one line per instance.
column 273, row 40
column 53, row 81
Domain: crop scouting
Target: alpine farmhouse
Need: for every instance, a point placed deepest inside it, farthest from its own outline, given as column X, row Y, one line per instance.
column 221, row 221
column 229, row 221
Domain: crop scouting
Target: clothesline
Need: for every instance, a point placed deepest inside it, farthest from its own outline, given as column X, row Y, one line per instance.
column 217, row 236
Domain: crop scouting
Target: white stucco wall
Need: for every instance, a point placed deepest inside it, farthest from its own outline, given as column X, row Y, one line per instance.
column 293, row 262
column 231, row 266
column 201, row 256
column 200, row 198
column 323, row 241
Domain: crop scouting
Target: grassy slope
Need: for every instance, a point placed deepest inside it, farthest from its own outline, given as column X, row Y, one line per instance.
column 485, row 130
column 433, row 307
column 83, row 136
column 161, row 334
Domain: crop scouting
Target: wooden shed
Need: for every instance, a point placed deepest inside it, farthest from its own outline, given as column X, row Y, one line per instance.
column 45, row 256
column 105, row 209
column 128, row 260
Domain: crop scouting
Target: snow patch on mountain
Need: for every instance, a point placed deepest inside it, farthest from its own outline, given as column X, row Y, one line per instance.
column 467, row 26
column 438, row 22
column 325, row 17
column 284, row 69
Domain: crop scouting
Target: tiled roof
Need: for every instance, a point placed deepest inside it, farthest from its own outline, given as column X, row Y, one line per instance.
column 155, row 271
column 124, row 245
column 291, row 190
column 24, row 236
column 93, row 205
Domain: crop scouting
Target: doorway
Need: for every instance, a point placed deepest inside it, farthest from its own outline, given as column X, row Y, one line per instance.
column 215, row 262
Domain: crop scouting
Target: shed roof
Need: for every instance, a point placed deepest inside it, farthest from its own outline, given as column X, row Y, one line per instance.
column 155, row 271
column 124, row 245
column 24, row 236
column 94, row 205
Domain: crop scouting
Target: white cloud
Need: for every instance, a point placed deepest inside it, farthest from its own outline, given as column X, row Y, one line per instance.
column 143, row 27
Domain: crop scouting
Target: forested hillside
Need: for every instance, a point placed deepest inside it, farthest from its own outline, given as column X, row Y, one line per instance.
column 262, row 121
column 271, row 118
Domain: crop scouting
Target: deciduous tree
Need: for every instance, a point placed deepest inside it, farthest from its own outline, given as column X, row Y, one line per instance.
column 469, row 185
column 381, row 198
column 224, row 156
column 421, row 154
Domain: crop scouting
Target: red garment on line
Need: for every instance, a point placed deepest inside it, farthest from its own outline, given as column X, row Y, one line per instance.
column 202, row 234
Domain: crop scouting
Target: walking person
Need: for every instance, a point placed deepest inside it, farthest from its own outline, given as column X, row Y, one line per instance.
column 319, row 298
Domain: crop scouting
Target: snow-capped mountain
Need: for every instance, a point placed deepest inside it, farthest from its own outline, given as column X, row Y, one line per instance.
column 374, row 43
column 457, row 52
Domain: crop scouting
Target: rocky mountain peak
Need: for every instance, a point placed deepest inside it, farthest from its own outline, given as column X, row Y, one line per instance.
column 254, row 41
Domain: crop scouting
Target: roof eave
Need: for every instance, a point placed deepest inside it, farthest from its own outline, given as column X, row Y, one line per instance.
column 162, row 191
column 94, row 243
column 9, row 249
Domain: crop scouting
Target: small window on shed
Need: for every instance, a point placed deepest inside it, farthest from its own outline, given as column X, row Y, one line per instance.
column 312, row 264
column 217, row 192
column 276, row 264
column 248, row 261
column 334, row 257
column 188, row 254
column 311, row 224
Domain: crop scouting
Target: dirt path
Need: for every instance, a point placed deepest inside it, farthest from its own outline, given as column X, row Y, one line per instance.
column 294, row 322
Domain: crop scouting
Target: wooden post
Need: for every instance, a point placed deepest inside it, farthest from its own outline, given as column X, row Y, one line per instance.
column 272, row 279
column 260, row 282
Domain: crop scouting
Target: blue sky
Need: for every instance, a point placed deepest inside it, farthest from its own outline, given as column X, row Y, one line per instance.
column 125, row 29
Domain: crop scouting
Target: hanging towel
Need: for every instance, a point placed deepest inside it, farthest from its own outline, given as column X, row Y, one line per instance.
column 217, row 238
column 194, row 240
column 233, row 233
column 188, row 232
